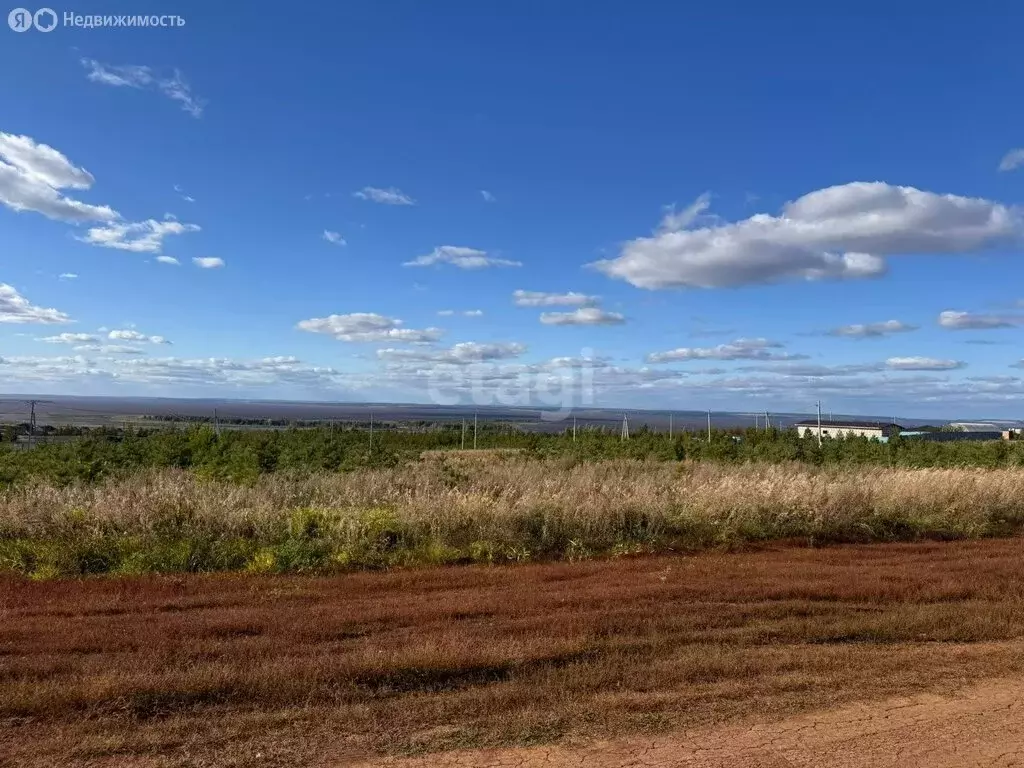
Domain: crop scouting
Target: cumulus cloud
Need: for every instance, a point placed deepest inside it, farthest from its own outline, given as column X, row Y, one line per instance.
column 955, row 320
column 389, row 196
column 32, row 175
column 872, row 330
column 70, row 338
column 583, row 316
column 368, row 327
column 334, row 238
column 461, row 257
column 841, row 232
column 176, row 372
column 808, row 370
column 68, row 276
column 15, row 308
column 922, row 364
column 168, row 260
column 172, row 85
column 463, row 353
column 741, row 349
column 111, row 349
column 130, row 334
column 208, row 262
column 464, row 313
column 544, row 299
column 137, row 237
column 1012, row 160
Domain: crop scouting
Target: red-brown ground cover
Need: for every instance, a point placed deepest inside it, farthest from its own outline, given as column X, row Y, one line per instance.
column 274, row 670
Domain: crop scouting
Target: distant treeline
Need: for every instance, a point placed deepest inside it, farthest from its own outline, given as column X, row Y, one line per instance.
column 9, row 433
column 243, row 455
column 245, row 421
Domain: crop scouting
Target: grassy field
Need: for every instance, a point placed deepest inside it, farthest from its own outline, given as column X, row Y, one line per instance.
column 489, row 508
column 234, row 670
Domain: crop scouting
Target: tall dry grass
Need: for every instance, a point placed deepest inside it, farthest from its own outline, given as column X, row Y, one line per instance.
column 452, row 510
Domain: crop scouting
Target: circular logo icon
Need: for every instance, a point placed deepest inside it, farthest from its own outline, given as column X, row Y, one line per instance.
column 20, row 20
column 45, row 20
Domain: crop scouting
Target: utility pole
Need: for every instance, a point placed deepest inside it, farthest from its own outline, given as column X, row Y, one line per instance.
column 625, row 428
column 371, row 434
column 767, row 422
column 474, row 431
column 819, row 423
column 709, row 427
column 32, row 423
column 574, row 429
column 216, row 423
column 32, row 419
column 463, row 433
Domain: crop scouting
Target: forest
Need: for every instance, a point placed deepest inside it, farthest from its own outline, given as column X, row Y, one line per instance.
column 243, row 455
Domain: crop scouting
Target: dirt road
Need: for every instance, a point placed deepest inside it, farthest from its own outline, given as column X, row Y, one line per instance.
column 983, row 726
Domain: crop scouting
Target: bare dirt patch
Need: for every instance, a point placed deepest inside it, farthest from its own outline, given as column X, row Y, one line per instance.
column 982, row 726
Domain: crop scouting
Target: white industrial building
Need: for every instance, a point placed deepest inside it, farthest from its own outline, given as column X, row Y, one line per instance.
column 846, row 428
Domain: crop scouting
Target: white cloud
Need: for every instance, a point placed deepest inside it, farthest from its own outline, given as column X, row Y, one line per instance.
column 841, row 232
column 168, row 260
column 68, row 276
column 334, row 238
column 542, row 299
column 15, row 308
column 487, row 196
column 583, row 316
column 674, row 221
column 741, row 349
column 172, row 86
column 32, row 175
column 473, row 313
column 208, row 262
column 368, row 327
column 1012, row 160
column 922, row 364
column 127, row 75
column 463, row 258
column 446, row 312
column 176, row 89
column 181, row 193
column 464, row 313
column 130, row 334
column 810, row 370
column 110, row 349
column 389, row 196
column 173, row 372
column 464, row 353
column 70, row 338
column 138, row 237
column 872, row 330
column 955, row 320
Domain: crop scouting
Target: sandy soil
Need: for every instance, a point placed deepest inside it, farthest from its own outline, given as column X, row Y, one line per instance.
column 982, row 726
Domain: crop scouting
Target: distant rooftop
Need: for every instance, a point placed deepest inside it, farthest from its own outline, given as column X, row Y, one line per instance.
column 848, row 423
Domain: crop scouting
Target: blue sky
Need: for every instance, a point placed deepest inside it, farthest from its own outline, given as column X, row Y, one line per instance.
column 739, row 208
